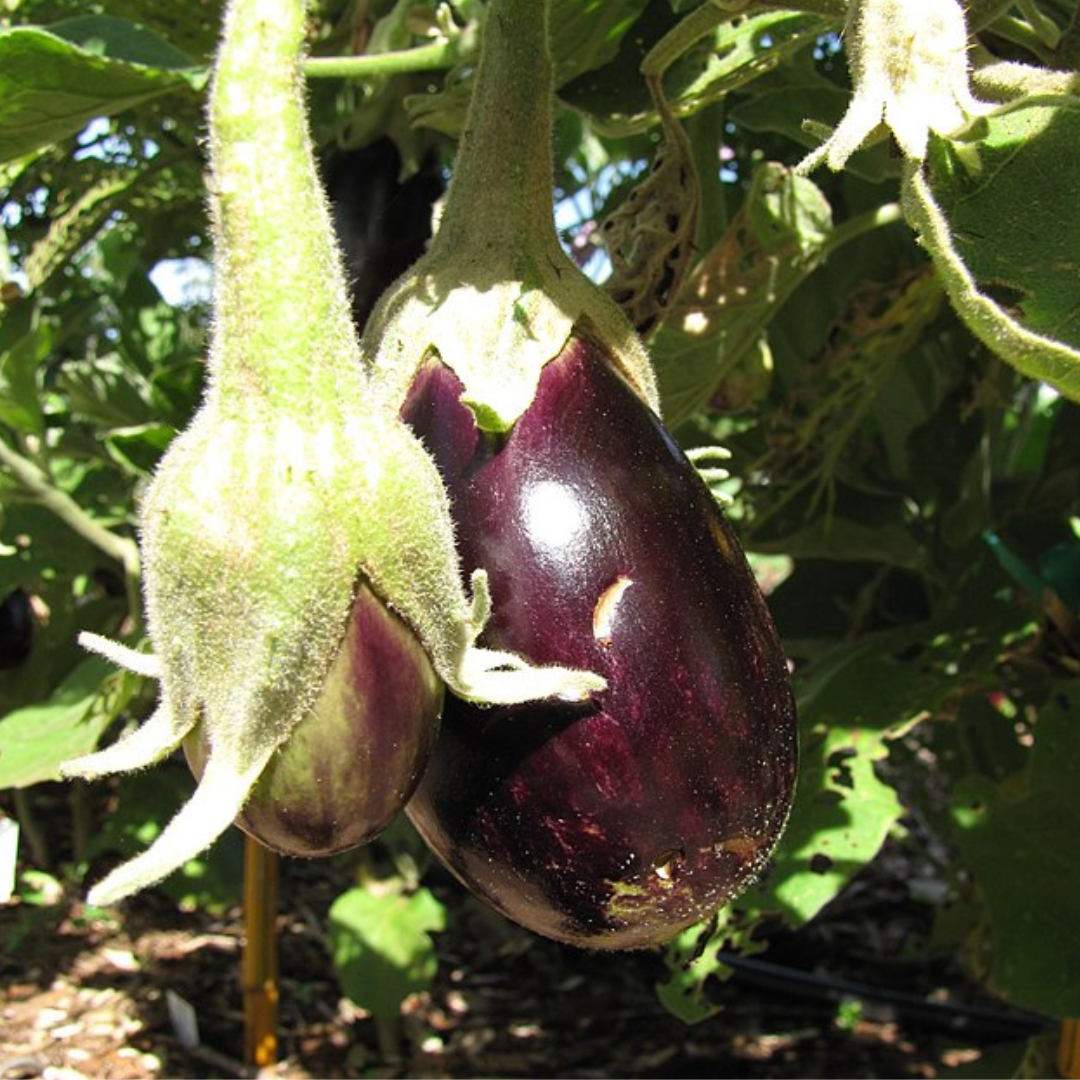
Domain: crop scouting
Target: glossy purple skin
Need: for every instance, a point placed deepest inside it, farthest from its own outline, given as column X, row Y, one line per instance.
column 351, row 764
column 614, row 824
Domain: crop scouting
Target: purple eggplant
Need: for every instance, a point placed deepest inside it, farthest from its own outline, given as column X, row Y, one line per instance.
column 16, row 629
column 618, row 822
column 351, row 763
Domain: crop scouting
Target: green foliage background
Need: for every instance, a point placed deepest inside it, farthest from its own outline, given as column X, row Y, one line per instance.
column 911, row 500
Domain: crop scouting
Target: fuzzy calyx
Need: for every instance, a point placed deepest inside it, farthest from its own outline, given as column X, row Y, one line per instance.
column 909, row 66
column 496, row 297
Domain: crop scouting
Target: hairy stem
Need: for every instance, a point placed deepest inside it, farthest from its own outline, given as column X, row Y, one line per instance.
column 512, row 95
column 436, row 56
column 283, row 324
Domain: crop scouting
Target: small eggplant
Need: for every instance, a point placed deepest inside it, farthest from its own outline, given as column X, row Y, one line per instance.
column 355, row 757
column 613, row 823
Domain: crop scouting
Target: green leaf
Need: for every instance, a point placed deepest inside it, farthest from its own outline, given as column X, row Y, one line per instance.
column 715, row 329
column 853, row 700
column 138, row 449
column 26, row 341
column 37, row 739
column 739, row 52
column 119, row 39
column 1009, row 260
column 585, row 34
column 726, row 58
column 51, row 87
column 695, row 957
column 1021, row 846
column 1025, row 247
column 382, row 947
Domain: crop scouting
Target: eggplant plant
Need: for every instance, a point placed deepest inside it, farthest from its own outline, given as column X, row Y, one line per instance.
column 616, row 822
column 302, row 586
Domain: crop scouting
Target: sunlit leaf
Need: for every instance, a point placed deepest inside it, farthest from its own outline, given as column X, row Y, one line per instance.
column 36, row 739
column 51, row 86
column 382, row 947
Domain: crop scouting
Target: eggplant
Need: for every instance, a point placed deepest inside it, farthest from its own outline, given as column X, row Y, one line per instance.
column 354, row 759
column 613, row 823
column 16, row 629
column 382, row 222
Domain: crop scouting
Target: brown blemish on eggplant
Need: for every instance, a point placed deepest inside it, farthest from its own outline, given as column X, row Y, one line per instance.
column 606, row 607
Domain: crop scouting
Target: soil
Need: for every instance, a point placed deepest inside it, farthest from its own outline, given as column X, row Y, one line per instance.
column 856, row 993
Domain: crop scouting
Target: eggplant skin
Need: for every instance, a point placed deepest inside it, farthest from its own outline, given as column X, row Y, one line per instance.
column 351, row 764
column 617, row 823
column 16, row 629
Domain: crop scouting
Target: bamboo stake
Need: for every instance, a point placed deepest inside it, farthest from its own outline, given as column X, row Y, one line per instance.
column 259, row 965
column 1068, row 1061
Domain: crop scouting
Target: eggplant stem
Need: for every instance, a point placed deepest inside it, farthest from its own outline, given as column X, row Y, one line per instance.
column 259, row 964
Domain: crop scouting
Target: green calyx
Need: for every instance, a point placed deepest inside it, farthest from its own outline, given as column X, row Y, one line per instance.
column 292, row 486
column 496, row 297
column 909, row 66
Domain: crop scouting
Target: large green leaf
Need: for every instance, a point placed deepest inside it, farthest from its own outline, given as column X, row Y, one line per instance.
column 37, row 739
column 1021, row 843
column 997, row 217
column 382, row 947
column 1024, row 250
column 52, row 85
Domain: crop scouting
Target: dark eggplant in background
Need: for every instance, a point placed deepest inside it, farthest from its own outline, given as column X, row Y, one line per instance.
column 16, row 629
column 382, row 220
column 616, row 823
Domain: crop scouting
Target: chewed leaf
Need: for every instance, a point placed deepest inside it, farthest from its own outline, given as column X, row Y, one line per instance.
column 207, row 814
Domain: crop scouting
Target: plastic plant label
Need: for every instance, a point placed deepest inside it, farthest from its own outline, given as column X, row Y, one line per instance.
column 9, row 856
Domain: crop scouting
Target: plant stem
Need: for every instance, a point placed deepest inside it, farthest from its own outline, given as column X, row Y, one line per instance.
column 260, row 957
column 434, row 57
column 37, row 485
column 705, row 132
column 283, row 330
column 512, row 94
column 1068, row 1055
column 31, row 829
